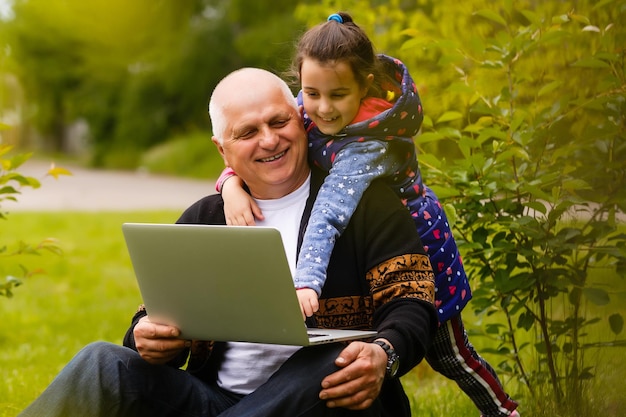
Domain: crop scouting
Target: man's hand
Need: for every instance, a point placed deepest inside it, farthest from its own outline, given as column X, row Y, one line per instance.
column 157, row 343
column 308, row 302
column 358, row 383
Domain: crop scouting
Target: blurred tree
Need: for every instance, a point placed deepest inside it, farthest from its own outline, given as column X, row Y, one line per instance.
column 40, row 37
column 77, row 59
column 164, row 89
column 140, row 72
column 264, row 32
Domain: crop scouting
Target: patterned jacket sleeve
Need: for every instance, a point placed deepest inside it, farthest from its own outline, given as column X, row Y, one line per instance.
column 400, row 277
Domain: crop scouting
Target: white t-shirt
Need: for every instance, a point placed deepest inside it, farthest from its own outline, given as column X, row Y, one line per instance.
column 246, row 366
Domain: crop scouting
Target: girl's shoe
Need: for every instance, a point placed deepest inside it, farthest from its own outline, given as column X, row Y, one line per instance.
column 513, row 414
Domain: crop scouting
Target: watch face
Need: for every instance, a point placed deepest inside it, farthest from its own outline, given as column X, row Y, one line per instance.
column 394, row 364
column 393, row 361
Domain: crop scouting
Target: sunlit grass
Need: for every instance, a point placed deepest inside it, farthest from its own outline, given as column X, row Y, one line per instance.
column 87, row 294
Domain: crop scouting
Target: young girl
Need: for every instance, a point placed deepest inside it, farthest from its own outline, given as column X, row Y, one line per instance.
column 361, row 111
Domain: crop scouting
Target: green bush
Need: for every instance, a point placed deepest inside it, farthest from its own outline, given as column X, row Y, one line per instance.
column 540, row 184
column 524, row 142
column 14, row 273
column 189, row 156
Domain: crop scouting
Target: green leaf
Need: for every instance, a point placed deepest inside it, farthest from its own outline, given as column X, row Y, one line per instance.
column 579, row 18
column 493, row 328
column 428, row 137
column 451, row 214
column 491, row 15
column 597, row 296
column 541, row 348
column 536, row 192
column 509, row 154
column 444, row 192
column 616, row 321
column 8, row 190
column 449, row 116
column 536, row 206
column 55, row 171
column 431, row 161
column 531, row 16
column 428, row 121
column 411, row 32
column 4, row 149
column 450, row 132
column 18, row 160
column 548, row 88
column 563, row 18
column 576, row 184
column 415, row 43
column 585, row 375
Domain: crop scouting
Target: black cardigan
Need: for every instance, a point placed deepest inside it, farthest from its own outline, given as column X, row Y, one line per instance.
column 379, row 277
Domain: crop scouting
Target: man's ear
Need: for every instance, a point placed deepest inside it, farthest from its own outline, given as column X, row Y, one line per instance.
column 220, row 149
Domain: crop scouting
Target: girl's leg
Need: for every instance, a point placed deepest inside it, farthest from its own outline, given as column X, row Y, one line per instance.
column 453, row 356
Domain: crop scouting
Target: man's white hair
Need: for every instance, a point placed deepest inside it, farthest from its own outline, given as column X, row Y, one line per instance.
column 242, row 78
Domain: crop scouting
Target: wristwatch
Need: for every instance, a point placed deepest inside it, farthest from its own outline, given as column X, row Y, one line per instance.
column 393, row 360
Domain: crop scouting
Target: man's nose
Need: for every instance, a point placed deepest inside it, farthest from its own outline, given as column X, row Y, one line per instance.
column 269, row 139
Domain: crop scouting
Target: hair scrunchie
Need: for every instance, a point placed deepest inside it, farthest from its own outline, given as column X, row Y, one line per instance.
column 335, row 17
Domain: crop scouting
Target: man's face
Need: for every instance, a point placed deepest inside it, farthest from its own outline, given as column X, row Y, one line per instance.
column 264, row 141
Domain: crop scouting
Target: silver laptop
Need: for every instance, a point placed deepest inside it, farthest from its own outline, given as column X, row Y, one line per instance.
column 223, row 283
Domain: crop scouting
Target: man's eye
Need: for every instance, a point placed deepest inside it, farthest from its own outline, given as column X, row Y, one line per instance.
column 281, row 122
column 245, row 134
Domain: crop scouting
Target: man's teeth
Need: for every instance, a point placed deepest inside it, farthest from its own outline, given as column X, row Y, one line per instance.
column 272, row 158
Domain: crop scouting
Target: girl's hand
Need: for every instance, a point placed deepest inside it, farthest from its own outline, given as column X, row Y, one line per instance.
column 240, row 208
column 308, row 302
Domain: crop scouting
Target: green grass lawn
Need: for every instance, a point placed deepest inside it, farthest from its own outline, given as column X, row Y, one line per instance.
column 89, row 293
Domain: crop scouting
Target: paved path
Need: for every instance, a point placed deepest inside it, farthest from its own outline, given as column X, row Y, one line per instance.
column 102, row 190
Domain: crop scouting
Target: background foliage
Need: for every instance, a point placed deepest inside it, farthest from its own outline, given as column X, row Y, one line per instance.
column 13, row 271
column 137, row 72
column 523, row 141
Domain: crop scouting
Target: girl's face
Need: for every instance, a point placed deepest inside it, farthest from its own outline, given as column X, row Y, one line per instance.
column 331, row 95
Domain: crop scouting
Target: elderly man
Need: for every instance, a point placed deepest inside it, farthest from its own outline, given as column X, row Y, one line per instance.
column 379, row 277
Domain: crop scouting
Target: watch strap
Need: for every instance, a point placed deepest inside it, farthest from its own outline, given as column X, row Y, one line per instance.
column 392, row 358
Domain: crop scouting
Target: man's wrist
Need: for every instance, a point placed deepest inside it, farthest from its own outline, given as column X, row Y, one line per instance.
column 393, row 360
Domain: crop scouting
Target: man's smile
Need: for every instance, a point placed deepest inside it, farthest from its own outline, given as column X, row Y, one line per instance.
column 273, row 157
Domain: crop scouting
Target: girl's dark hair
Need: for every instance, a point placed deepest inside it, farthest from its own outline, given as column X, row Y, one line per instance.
column 331, row 42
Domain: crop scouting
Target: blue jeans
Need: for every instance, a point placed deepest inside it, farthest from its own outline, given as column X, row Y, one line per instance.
column 105, row 379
